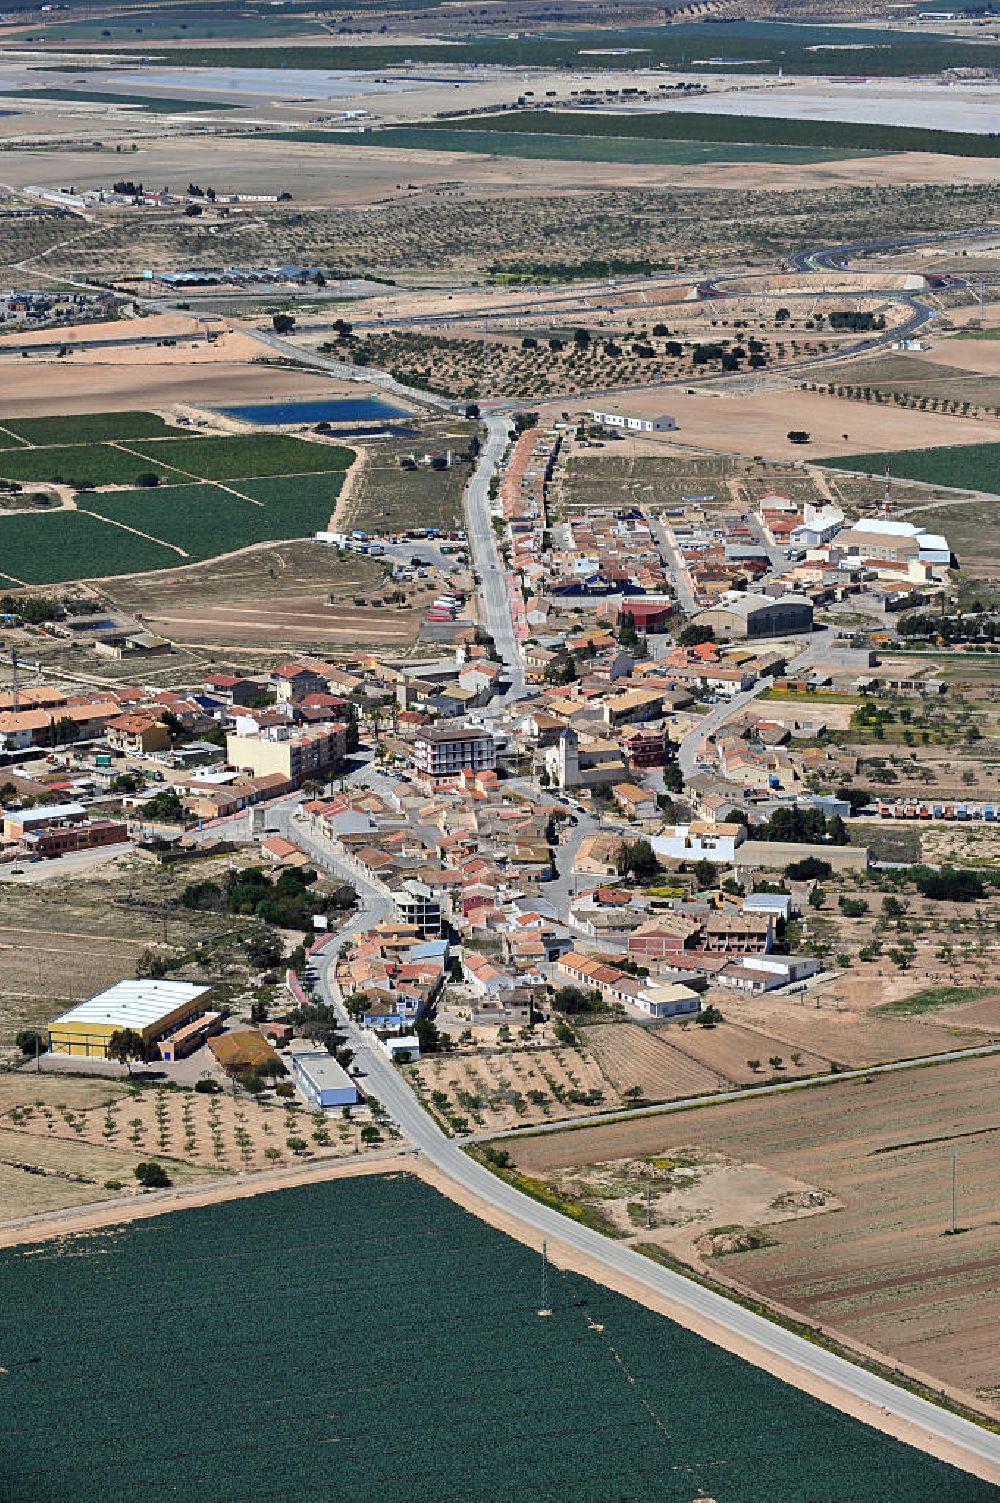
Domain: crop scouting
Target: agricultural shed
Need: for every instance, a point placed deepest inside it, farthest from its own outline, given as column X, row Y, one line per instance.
column 151, row 1008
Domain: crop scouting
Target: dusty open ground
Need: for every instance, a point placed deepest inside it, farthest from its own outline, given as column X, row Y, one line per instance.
column 33, row 389
column 341, row 173
column 880, row 1270
column 739, row 422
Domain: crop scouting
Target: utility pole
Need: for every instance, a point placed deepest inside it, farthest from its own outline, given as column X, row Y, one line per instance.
column 954, row 1193
column 545, row 1308
column 649, row 1206
column 15, row 697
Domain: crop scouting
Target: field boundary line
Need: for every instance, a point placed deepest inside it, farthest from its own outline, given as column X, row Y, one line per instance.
column 136, row 532
column 188, row 474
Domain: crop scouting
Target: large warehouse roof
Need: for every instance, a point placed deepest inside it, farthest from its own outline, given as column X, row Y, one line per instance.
column 133, row 1004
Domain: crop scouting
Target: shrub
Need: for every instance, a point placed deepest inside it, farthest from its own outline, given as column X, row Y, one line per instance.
column 152, row 1176
column 207, row 1087
column 808, row 870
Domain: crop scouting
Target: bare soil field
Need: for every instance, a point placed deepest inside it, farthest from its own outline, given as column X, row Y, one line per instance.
column 843, row 1029
column 287, row 621
column 880, row 1271
column 758, row 423
column 728, row 1048
column 53, row 388
column 634, row 1056
column 981, row 356
column 923, row 378
column 216, row 608
column 338, row 173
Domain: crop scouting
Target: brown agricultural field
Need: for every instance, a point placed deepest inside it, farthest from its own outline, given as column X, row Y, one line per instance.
column 64, row 1138
column 297, row 596
column 514, row 1087
column 43, row 388
column 878, row 1270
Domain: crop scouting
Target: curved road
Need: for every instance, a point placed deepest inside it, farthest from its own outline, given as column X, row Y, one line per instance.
column 390, row 1088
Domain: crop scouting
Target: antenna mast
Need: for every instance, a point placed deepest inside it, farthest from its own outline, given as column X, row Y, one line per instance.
column 887, row 493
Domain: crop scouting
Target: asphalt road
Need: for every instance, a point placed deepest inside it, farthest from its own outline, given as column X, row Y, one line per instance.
column 664, row 538
column 485, row 557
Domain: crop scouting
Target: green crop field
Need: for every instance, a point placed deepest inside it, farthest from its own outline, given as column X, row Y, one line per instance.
column 175, row 24
column 252, row 454
column 367, row 1340
column 968, row 467
column 78, row 464
column 205, row 520
column 680, row 125
column 45, row 548
column 89, row 427
column 9, row 439
column 581, row 148
column 296, row 484
column 797, row 49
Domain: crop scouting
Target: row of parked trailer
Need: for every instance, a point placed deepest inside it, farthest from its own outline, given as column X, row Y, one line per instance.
column 913, row 809
column 445, row 608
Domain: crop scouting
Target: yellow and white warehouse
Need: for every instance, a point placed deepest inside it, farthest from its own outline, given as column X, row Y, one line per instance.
column 151, row 1008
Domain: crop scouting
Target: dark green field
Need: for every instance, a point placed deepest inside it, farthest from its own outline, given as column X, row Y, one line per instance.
column 79, row 464
column 149, row 103
column 270, row 488
column 368, row 1342
column 174, row 24
column 565, row 148
column 692, row 46
column 682, row 125
column 971, row 467
column 249, row 454
column 87, row 428
column 205, row 520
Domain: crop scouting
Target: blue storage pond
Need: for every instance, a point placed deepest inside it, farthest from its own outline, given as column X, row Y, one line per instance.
column 340, row 410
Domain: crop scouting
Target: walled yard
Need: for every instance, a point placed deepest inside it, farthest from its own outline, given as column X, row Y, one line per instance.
column 875, row 1264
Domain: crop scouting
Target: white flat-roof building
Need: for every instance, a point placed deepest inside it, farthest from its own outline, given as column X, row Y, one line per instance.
column 661, row 424
column 319, row 1077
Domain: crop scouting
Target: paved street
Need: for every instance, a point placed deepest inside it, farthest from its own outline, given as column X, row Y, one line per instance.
column 486, row 559
column 664, row 539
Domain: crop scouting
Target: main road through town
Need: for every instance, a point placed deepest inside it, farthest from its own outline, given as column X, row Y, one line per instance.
column 493, row 587
column 384, row 1081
